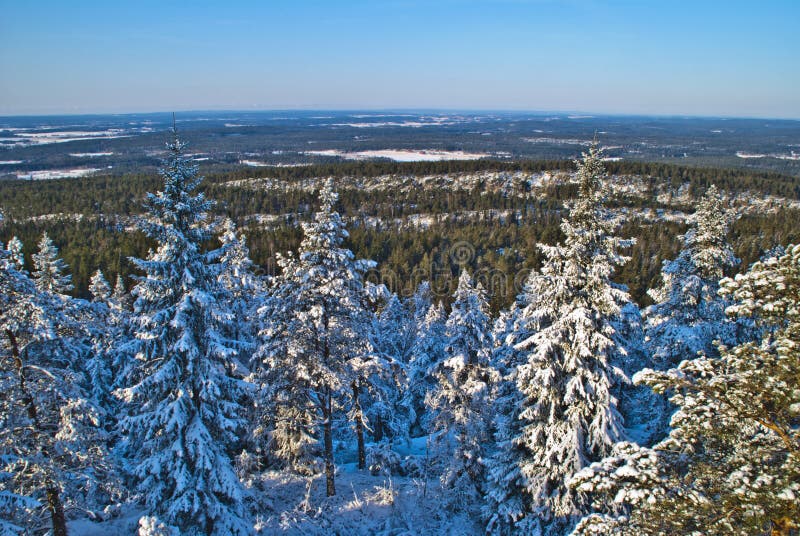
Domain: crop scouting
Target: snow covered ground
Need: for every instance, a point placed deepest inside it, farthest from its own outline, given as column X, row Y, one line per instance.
column 57, row 174
column 24, row 139
column 365, row 504
column 91, row 155
column 402, row 155
column 790, row 156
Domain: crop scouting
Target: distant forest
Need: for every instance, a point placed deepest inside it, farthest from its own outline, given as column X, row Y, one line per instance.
column 90, row 233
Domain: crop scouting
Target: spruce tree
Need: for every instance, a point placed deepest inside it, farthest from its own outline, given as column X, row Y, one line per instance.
column 239, row 280
column 49, row 270
column 16, row 256
column 460, row 402
column 388, row 409
column 184, row 413
column 103, row 338
column 688, row 314
column 99, row 287
column 568, row 414
column 427, row 358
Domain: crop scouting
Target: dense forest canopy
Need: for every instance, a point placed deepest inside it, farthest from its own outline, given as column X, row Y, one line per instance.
column 86, row 218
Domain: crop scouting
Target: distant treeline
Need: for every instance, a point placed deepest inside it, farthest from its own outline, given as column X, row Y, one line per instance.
column 123, row 195
column 405, row 255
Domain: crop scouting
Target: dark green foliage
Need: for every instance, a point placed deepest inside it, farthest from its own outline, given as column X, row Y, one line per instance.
column 93, row 235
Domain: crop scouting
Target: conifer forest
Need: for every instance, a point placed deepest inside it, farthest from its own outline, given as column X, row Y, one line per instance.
column 399, row 268
column 206, row 396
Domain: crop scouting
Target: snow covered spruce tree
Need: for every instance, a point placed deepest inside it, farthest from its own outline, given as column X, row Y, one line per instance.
column 568, row 415
column 505, row 501
column 16, row 256
column 688, row 315
column 240, row 281
column 49, row 270
column 388, row 408
column 52, row 452
column 184, row 412
column 460, row 402
column 104, row 337
column 420, row 302
column 315, row 341
column 427, row 358
column 394, row 332
column 731, row 463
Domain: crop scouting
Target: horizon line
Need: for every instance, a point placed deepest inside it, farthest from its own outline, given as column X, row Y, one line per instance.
column 589, row 114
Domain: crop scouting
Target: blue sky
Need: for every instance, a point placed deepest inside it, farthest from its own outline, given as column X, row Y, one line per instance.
column 729, row 58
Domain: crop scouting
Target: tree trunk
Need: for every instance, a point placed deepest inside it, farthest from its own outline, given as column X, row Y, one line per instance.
column 362, row 453
column 330, row 488
column 27, row 398
column 378, row 428
column 56, row 512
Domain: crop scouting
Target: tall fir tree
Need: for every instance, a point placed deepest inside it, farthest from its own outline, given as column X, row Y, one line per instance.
column 568, row 415
column 103, row 338
column 99, row 287
column 16, row 255
column 427, row 358
column 239, row 280
column 184, row 413
column 389, row 411
column 688, row 315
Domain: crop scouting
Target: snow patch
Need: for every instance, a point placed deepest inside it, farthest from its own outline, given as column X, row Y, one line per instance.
column 90, row 155
column 47, row 174
column 401, row 155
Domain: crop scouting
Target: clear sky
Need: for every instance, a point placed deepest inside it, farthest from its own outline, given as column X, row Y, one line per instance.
column 701, row 57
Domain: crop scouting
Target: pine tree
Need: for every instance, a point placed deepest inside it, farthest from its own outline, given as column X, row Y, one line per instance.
column 460, row 403
column 184, row 412
column 731, row 463
column 568, row 413
column 315, row 336
column 48, row 269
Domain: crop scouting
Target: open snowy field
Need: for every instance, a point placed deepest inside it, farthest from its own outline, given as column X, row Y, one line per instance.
column 47, row 174
column 402, row 155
